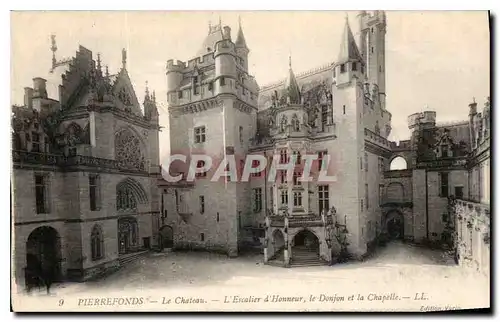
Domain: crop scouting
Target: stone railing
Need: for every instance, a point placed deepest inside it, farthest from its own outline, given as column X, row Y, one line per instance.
column 307, row 220
column 377, row 139
column 398, row 173
column 390, row 202
column 443, row 163
column 21, row 157
column 472, row 238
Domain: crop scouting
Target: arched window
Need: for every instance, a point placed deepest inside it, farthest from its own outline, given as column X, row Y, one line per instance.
column 125, row 199
column 398, row 163
column 128, row 150
column 97, row 243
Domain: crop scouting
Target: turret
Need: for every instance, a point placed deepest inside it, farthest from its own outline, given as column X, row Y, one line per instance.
column 150, row 109
column 371, row 40
column 241, row 47
column 39, row 87
column 174, row 77
column 349, row 64
column 225, row 67
column 472, row 123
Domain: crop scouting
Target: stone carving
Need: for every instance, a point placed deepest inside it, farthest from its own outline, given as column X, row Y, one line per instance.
column 283, row 123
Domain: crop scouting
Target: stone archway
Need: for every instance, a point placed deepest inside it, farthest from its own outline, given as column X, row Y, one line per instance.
column 128, row 235
column 166, row 237
column 278, row 240
column 43, row 256
column 394, row 225
column 305, row 248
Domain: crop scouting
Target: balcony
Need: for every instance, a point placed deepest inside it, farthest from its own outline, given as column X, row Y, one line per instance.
column 24, row 157
column 302, row 220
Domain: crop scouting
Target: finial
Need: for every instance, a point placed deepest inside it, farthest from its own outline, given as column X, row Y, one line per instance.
column 99, row 61
column 220, row 22
column 473, row 99
column 147, row 89
column 53, row 48
column 239, row 20
column 154, row 96
column 124, row 58
column 346, row 17
column 107, row 72
column 290, row 61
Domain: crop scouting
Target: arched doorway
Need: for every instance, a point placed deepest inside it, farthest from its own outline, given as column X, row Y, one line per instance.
column 395, row 225
column 43, row 256
column 306, row 240
column 166, row 237
column 278, row 240
column 127, row 235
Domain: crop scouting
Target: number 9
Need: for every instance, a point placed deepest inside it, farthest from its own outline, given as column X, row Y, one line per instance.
column 61, row 302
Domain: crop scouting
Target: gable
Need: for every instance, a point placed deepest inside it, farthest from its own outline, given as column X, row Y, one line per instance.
column 124, row 91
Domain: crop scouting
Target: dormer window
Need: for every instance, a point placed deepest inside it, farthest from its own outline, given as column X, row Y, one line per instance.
column 444, row 151
column 222, row 81
column 342, row 68
column 354, row 66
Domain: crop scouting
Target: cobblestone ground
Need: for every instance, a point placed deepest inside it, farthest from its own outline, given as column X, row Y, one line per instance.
column 397, row 267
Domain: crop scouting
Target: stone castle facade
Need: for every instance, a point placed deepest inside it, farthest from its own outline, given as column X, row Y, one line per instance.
column 338, row 110
column 85, row 168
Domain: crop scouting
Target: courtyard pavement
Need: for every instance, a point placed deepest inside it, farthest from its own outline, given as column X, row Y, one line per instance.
column 402, row 269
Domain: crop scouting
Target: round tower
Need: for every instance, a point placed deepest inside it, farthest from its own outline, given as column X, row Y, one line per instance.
column 174, row 76
column 225, row 67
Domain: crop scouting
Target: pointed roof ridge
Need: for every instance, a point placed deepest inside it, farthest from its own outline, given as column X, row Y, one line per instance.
column 240, row 38
column 348, row 48
column 291, row 85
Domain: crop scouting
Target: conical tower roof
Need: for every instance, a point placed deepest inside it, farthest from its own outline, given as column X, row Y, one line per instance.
column 348, row 48
column 292, row 89
column 240, row 39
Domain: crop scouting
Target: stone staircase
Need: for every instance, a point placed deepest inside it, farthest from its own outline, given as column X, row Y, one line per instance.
column 128, row 258
column 302, row 257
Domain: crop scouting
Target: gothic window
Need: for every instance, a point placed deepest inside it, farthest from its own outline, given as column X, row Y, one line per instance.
column 283, row 156
column 444, row 184
column 94, row 192
column 342, row 68
column 97, row 243
column 324, row 116
column 295, row 123
column 125, row 199
column 257, row 206
column 41, row 194
column 35, row 143
column 128, row 150
column 283, row 123
column 127, row 235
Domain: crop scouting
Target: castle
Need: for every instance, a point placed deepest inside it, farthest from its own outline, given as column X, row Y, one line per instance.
column 337, row 110
column 87, row 194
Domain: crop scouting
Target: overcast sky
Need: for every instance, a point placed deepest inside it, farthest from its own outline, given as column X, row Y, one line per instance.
column 434, row 59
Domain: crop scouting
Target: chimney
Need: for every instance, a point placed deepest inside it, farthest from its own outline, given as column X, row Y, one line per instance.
column 227, row 32
column 39, row 87
column 28, row 97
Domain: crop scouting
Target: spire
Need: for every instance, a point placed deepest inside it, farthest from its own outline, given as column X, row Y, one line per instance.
column 53, row 48
column 348, row 48
column 99, row 69
column 146, row 97
column 124, row 58
column 292, row 89
column 240, row 39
